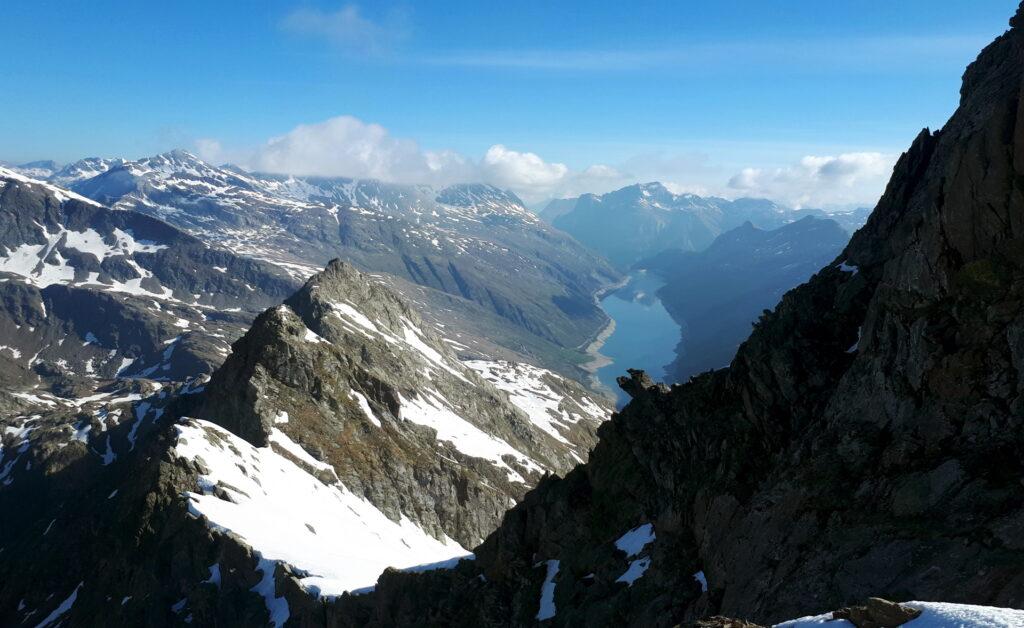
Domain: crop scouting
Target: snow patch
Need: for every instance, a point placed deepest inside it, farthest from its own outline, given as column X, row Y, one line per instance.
column 64, row 607
column 634, row 541
column 935, row 615
column 269, row 500
column 636, row 569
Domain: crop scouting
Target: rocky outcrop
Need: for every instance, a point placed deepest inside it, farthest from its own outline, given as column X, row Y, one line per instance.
column 349, row 371
column 877, row 613
column 864, row 441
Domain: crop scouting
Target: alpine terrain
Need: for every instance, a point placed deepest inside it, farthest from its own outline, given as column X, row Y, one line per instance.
column 863, row 442
column 232, row 398
column 472, row 256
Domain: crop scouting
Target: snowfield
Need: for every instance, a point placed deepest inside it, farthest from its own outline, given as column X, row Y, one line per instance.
column 337, row 540
column 529, row 389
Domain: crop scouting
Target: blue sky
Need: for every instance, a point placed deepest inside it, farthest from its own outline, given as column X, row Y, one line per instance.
column 710, row 96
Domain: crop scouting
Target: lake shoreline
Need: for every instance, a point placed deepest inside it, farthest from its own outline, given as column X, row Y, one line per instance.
column 640, row 334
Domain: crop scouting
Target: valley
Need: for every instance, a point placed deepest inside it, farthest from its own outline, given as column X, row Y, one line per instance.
column 644, row 334
column 743, row 352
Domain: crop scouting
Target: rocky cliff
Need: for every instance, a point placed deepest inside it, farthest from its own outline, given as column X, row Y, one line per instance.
column 347, row 369
column 865, row 440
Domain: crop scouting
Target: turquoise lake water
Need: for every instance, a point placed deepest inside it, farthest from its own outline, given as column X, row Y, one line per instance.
column 645, row 335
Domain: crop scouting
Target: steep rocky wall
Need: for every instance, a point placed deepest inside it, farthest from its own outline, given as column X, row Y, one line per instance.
column 865, row 441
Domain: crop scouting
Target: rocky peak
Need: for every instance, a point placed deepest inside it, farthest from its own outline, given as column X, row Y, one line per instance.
column 349, row 371
column 83, row 169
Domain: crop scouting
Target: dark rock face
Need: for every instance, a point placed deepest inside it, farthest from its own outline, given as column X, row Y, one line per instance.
column 877, row 613
column 808, row 475
column 716, row 294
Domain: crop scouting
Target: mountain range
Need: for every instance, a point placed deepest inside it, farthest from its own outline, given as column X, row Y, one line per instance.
column 472, row 249
column 203, row 425
column 638, row 221
column 342, row 435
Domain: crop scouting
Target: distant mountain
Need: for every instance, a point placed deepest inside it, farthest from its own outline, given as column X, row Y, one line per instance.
column 556, row 208
column 716, row 294
column 849, row 219
column 474, row 249
column 641, row 220
column 89, row 294
column 81, row 170
column 42, row 169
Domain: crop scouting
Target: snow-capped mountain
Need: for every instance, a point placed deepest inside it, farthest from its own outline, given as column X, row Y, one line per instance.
column 347, row 369
column 342, row 437
column 40, row 170
column 81, row 170
column 531, row 285
column 92, row 294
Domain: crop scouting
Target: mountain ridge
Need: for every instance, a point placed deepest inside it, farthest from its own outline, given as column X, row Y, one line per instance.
column 859, row 444
column 473, row 244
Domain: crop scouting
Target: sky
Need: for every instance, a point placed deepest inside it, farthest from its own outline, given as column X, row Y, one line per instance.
column 805, row 102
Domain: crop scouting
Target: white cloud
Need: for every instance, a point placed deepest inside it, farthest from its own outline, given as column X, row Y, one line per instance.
column 849, row 178
column 348, row 29
column 209, row 150
column 507, row 167
column 348, row 147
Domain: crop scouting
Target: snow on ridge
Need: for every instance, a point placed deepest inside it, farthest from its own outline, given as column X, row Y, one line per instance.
column 30, row 261
column 335, row 540
column 429, row 408
column 61, row 194
column 527, row 390
column 411, row 336
column 935, row 615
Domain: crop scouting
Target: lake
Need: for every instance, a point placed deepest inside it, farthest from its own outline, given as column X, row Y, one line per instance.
column 645, row 335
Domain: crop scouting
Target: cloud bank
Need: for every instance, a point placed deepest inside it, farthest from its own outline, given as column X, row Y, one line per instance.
column 349, row 147
column 846, row 179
